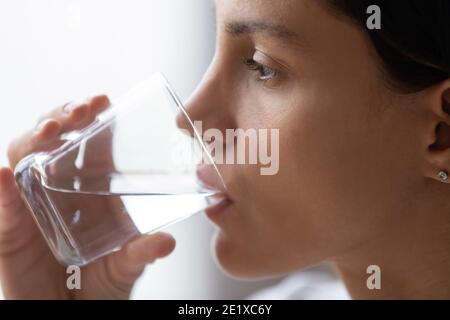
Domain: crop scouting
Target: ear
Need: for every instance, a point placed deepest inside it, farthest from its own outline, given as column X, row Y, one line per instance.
column 437, row 102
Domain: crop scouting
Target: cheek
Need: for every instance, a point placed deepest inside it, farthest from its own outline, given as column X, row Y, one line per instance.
column 342, row 169
column 329, row 174
column 330, row 188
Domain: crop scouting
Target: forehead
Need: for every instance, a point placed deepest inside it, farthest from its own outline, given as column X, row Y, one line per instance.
column 273, row 10
column 312, row 21
column 280, row 18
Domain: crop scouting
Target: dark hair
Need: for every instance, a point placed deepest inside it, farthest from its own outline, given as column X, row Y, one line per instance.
column 413, row 42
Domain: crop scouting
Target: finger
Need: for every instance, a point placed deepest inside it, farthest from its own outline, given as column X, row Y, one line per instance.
column 99, row 103
column 43, row 137
column 94, row 105
column 77, row 109
column 127, row 264
column 76, row 115
column 97, row 155
column 70, row 109
column 40, row 138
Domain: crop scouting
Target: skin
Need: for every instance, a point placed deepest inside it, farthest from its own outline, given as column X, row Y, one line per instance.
column 357, row 183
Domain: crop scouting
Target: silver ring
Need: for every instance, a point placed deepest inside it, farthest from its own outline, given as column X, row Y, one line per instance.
column 65, row 106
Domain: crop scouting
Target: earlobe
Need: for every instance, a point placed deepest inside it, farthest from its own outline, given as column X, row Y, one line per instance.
column 438, row 164
column 438, row 153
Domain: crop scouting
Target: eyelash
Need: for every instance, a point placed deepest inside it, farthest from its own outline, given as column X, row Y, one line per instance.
column 261, row 69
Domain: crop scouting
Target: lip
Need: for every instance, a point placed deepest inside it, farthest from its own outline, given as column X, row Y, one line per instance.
column 214, row 211
column 210, row 180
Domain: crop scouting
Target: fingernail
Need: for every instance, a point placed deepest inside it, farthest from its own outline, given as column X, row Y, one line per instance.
column 42, row 124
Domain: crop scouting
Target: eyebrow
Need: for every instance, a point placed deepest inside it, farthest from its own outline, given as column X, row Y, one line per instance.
column 280, row 32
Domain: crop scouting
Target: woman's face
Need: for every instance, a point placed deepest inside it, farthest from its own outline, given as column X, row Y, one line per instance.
column 346, row 150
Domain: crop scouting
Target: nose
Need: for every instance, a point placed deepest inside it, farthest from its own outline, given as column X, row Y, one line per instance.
column 209, row 103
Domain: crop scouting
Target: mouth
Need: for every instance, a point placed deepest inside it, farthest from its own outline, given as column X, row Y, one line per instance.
column 211, row 181
column 216, row 210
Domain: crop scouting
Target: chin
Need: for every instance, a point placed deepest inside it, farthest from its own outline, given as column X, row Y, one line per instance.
column 235, row 260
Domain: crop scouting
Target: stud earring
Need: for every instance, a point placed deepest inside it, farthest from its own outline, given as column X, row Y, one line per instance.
column 443, row 175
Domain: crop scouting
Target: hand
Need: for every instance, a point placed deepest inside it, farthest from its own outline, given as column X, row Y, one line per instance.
column 28, row 269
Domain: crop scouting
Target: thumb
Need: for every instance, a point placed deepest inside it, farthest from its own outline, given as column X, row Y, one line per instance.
column 126, row 265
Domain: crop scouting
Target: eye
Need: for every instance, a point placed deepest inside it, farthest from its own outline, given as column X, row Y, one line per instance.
column 265, row 73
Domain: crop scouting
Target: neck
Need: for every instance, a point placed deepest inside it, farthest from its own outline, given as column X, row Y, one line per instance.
column 414, row 262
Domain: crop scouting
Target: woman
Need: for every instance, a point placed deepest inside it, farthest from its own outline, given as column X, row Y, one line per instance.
column 364, row 153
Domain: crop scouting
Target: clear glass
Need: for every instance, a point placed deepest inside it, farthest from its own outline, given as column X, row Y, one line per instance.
column 132, row 171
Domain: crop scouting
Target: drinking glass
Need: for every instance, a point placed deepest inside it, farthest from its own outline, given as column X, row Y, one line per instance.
column 132, row 171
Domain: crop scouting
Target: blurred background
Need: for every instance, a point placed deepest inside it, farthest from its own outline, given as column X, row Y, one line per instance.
column 55, row 51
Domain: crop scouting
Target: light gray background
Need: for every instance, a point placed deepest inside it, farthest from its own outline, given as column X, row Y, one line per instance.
column 53, row 51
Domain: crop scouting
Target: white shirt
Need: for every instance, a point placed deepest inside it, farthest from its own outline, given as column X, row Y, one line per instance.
column 317, row 283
